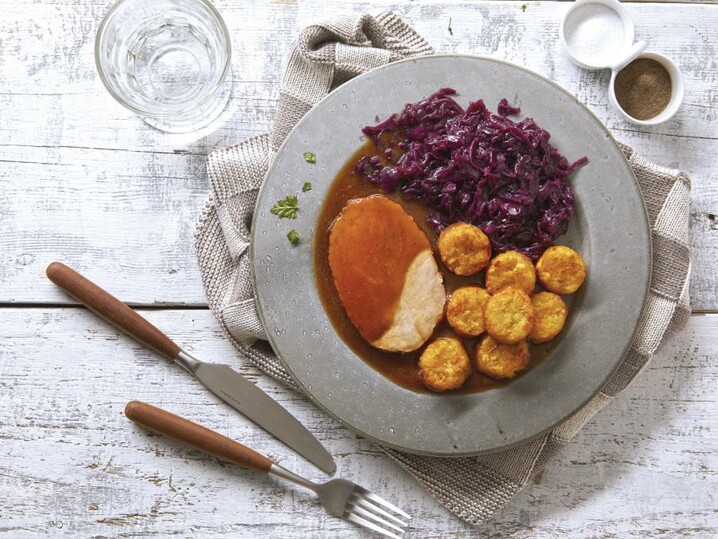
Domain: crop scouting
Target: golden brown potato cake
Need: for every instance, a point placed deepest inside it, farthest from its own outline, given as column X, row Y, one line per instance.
column 551, row 312
column 510, row 269
column 464, row 248
column 444, row 364
column 465, row 310
column 501, row 360
column 509, row 316
column 561, row 269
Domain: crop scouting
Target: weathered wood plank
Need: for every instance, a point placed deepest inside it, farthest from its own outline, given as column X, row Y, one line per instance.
column 83, row 180
column 66, row 192
column 71, row 465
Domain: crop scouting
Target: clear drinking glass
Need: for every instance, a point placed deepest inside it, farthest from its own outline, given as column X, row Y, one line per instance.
column 166, row 60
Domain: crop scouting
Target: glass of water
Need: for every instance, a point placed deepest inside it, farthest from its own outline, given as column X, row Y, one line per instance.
column 166, row 60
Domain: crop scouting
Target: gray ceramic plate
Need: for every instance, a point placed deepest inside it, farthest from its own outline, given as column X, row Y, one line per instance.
column 610, row 230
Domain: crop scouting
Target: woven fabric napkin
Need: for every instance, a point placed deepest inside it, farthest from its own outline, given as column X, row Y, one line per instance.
column 324, row 56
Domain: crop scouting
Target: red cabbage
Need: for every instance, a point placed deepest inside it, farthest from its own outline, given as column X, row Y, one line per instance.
column 475, row 166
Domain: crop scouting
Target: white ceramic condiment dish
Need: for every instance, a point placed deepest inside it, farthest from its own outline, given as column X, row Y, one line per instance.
column 676, row 91
column 598, row 34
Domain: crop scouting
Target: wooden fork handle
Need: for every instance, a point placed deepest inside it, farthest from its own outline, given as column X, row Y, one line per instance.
column 196, row 436
column 106, row 306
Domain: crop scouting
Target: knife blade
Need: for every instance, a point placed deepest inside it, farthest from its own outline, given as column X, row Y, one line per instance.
column 222, row 380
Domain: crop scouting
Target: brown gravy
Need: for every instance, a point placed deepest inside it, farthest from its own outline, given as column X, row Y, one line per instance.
column 402, row 369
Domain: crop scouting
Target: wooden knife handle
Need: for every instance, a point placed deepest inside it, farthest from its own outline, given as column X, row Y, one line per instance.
column 195, row 435
column 106, row 306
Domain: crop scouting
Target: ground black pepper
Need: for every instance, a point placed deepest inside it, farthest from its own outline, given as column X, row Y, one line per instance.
column 643, row 88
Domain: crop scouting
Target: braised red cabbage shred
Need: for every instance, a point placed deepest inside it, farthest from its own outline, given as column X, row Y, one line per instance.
column 475, row 166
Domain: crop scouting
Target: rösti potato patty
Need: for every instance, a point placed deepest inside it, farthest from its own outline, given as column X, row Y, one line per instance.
column 501, row 360
column 465, row 310
column 464, row 248
column 561, row 269
column 510, row 269
column 550, row 316
column 509, row 316
column 444, row 364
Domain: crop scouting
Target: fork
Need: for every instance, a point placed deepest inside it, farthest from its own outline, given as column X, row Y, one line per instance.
column 340, row 497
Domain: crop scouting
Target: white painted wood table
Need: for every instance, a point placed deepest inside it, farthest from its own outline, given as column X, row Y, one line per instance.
column 84, row 181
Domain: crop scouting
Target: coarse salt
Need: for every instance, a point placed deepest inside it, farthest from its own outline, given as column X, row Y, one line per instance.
column 594, row 34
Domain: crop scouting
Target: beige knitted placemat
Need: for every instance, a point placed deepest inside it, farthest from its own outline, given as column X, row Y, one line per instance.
column 324, row 56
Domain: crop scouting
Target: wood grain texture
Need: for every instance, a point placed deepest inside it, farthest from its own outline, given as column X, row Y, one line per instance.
column 83, row 180
column 196, row 436
column 72, row 465
column 111, row 309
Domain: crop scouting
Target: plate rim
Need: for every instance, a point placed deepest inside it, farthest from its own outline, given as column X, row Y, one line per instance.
column 308, row 392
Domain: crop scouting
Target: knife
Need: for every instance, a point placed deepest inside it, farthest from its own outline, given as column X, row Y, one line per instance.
column 225, row 383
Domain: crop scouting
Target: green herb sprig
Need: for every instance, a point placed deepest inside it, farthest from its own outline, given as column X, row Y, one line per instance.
column 293, row 237
column 286, row 208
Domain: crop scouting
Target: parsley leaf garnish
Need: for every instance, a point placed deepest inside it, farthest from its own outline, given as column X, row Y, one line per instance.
column 293, row 237
column 306, row 187
column 309, row 157
column 287, row 207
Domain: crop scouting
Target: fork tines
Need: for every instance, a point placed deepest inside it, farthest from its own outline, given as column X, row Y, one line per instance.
column 371, row 511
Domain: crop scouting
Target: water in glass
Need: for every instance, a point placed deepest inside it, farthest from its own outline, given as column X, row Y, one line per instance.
column 167, row 60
